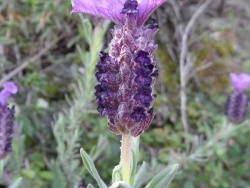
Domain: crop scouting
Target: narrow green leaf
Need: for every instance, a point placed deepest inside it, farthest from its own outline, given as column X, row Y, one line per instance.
column 59, row 179
column 164, row 177
column 86, row 162
column 17, row 183
column 91, row 168
column 138, row 177
column 117, row 173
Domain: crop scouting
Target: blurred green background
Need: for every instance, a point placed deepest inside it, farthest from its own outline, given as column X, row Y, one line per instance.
column 51, row 56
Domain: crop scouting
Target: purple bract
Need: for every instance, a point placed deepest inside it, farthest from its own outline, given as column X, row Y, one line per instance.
column 112, row 9
column 9, row 89
column 240, row 82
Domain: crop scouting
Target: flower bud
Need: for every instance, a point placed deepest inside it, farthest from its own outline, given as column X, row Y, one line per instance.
column 236, row 107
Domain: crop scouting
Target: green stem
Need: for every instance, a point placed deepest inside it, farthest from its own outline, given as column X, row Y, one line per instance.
column 126, row 154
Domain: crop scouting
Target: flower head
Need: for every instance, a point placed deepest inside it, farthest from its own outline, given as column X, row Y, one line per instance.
column 237, row 103
column 114, row 9
column 240, row 82
column 7, row 119
column 126, row 74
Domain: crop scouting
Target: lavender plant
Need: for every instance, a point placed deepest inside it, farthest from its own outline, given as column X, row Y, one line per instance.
column 44, row 162
column 126, row 75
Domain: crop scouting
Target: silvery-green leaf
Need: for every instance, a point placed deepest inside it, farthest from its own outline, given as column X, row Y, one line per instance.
column 59, row 178
column 17, row 183
column 164, row 177
column 140, row 175
column 91, row 168
column 120, row 184
column 117, row 173
column 87, row 29
column 90, row 186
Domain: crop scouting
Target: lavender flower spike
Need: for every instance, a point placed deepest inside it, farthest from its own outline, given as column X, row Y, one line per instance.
column 126, row 74
column 237, row 103
column 6, row 119
column 111, row 9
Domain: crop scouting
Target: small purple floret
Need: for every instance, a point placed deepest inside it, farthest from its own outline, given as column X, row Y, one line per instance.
column 145, row 99
column 130, row 7
column 142, row 58
column 138, row 114
column 153, row 24
column 144, row 81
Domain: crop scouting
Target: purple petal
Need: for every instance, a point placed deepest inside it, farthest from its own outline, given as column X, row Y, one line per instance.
column 240, row 82
column 9, row 89
column 111, row 9
column 146, row 8
column 108, row 9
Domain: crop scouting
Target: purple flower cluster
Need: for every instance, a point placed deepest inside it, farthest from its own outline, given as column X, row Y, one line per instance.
column 236, row 107
column 124, row 95
column 126, row 74
column 6, row 119
column 106, row 91
column 237, row 103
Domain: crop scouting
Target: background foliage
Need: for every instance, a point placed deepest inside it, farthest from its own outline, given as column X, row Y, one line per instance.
column 51, row 56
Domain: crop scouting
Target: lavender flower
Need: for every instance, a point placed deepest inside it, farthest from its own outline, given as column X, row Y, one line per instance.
column 6, row 119
column 126, row 74
column 237, row 103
